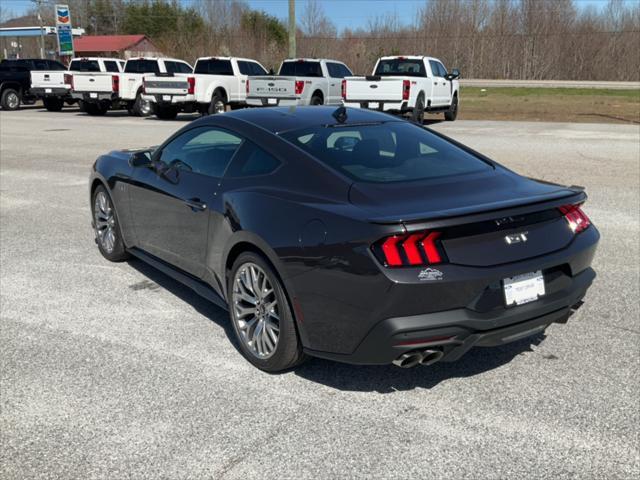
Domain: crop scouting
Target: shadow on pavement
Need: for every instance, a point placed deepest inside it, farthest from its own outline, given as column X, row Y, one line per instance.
column 341, row 376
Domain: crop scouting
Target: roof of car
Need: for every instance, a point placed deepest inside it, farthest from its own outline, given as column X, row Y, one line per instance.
column 282, row 119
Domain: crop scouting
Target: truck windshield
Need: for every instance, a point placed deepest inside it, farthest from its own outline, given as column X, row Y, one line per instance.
column 301, row 68
column 84, row 66
column 142, row 66
column 404, row 67
column 385, row 152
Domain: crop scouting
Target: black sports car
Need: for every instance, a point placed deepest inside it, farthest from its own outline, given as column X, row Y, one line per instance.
column 347, row 234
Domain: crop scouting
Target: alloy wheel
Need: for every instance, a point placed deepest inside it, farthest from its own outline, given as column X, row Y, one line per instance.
column 105, row 222
column 219, row 107
column 13, row 100
column 257, row 316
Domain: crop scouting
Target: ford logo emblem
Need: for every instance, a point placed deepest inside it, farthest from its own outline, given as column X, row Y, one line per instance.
column 92, row 80
column 271, row 84
column 373, row 86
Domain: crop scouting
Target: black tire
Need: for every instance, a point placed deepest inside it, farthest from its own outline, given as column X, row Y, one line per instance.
column 451, row 114
column 166, row 112
column 53, row 104
column 288, row 349
column 141, row 108
column 95, row 109
column 82, row 105
column 316, row 100
column 418, row 111
column 10, row 99
column 218, row 104
column 104, row 220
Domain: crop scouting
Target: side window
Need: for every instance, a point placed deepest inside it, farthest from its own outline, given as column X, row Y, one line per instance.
column 185, row 67
column 257, row 69
column 434, row 68
column 171, row 67
column 443, row 71
column 345, row 71
column 333, row 70
column 202, row 150
column 252, row 161
column 41, row 65
column 110, row 66
column 244, row 67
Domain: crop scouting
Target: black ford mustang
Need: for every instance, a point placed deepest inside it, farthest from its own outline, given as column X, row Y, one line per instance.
column 347, row 234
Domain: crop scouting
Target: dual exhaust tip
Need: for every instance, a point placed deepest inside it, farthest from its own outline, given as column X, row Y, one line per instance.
column 418, row 357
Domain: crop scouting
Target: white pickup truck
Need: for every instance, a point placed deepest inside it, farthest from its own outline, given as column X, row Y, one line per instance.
column 53, row 87
column 94, row 83
column 215, row 83
column 101, row 91
column 300, row 81
column 406, row 84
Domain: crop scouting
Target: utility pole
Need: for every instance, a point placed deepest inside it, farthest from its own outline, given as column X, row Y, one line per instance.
column 292, row 28
column 39, row 2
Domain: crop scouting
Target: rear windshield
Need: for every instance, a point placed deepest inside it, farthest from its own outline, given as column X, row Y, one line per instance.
column 141, row 66
column 214, row 67
column 84, row 66
column 301, row 69
column 385, row 152
column 402, row 67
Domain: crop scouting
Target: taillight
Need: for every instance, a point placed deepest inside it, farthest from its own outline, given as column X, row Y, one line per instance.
column 406, row 89
column 299, row 87
column 344, row 89
column 115, row 83
column 68, row 80
column 411, row 249
column 192, row 85
column 575, row 217
column 247, row 86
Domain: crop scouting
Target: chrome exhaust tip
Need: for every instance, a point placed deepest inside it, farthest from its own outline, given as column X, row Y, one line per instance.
column 408, row 360
column 429, row 357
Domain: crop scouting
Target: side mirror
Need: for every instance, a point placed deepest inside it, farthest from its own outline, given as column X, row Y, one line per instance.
column 455, row 73
column 141, row 159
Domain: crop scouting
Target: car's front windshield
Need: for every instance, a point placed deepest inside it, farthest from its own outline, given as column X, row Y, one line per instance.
column 395, row 151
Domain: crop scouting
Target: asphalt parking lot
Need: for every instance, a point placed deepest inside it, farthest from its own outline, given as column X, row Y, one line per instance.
column 116, row 371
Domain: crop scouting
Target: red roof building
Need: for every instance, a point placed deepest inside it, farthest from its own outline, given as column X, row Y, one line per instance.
column 124, row 46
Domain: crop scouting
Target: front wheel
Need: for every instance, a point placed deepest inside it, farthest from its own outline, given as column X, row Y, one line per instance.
column 53, row 104
column 261, row 315
column 107, row 227
column 451, row 114
column 10, row 99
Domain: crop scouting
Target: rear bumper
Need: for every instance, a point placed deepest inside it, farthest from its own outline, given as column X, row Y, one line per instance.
column 455, row 332
column 278, row 102
column 162, row 99
column 94, row 97
column 382, row 106
column 49, row 92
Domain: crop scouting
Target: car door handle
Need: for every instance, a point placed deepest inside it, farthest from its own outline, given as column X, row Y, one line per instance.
column 195, row 204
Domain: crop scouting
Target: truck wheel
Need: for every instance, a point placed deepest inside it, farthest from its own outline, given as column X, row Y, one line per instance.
column 10, row 99
column 316, row 100
column 141, row 107
column 218, row 104
column 418, row 111
column 451, row 114
column 53, row 104
column 95, row 109
column 164, row 112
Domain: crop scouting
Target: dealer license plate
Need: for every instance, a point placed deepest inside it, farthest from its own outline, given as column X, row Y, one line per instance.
column 524, row 288
column 272, row 101
column 166, row 98
column 47, row 90
column 374, row 105
column 93, row 95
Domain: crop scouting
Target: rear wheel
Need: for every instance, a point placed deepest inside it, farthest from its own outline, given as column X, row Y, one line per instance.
column 316, row 100
column 95, row 109
column 418, row 111
column 106, row 227
column 53, row 104
column 261, row 315
column 451, row 114
column 218, row 104
column 166, row 112
column 141, row 107
column 10, row 99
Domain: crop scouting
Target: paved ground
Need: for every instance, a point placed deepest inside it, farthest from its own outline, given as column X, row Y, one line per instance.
column 116, row 371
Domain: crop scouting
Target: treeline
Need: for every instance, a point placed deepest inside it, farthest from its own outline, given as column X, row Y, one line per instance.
column 514, row 39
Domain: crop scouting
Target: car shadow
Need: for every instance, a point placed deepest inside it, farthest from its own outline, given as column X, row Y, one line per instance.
column 342, row 376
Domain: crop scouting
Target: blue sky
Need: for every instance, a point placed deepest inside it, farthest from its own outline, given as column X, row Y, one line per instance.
column 343, row 13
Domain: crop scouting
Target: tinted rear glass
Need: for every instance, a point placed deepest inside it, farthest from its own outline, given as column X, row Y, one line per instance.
column 85, row 66
column 214, row 67
column 301, row 69
column 142, row 66
column 401, row 67
column 385, row 152
column 111, row 66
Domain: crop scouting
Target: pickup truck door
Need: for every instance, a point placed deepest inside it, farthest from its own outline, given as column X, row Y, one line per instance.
column 439, row 85
column 173, row 200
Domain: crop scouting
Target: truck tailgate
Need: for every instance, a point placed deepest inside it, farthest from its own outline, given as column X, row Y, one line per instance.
column 92, row 82
column 272, row 87
column 165, row 85
column 387, row 89
column 45, row 79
